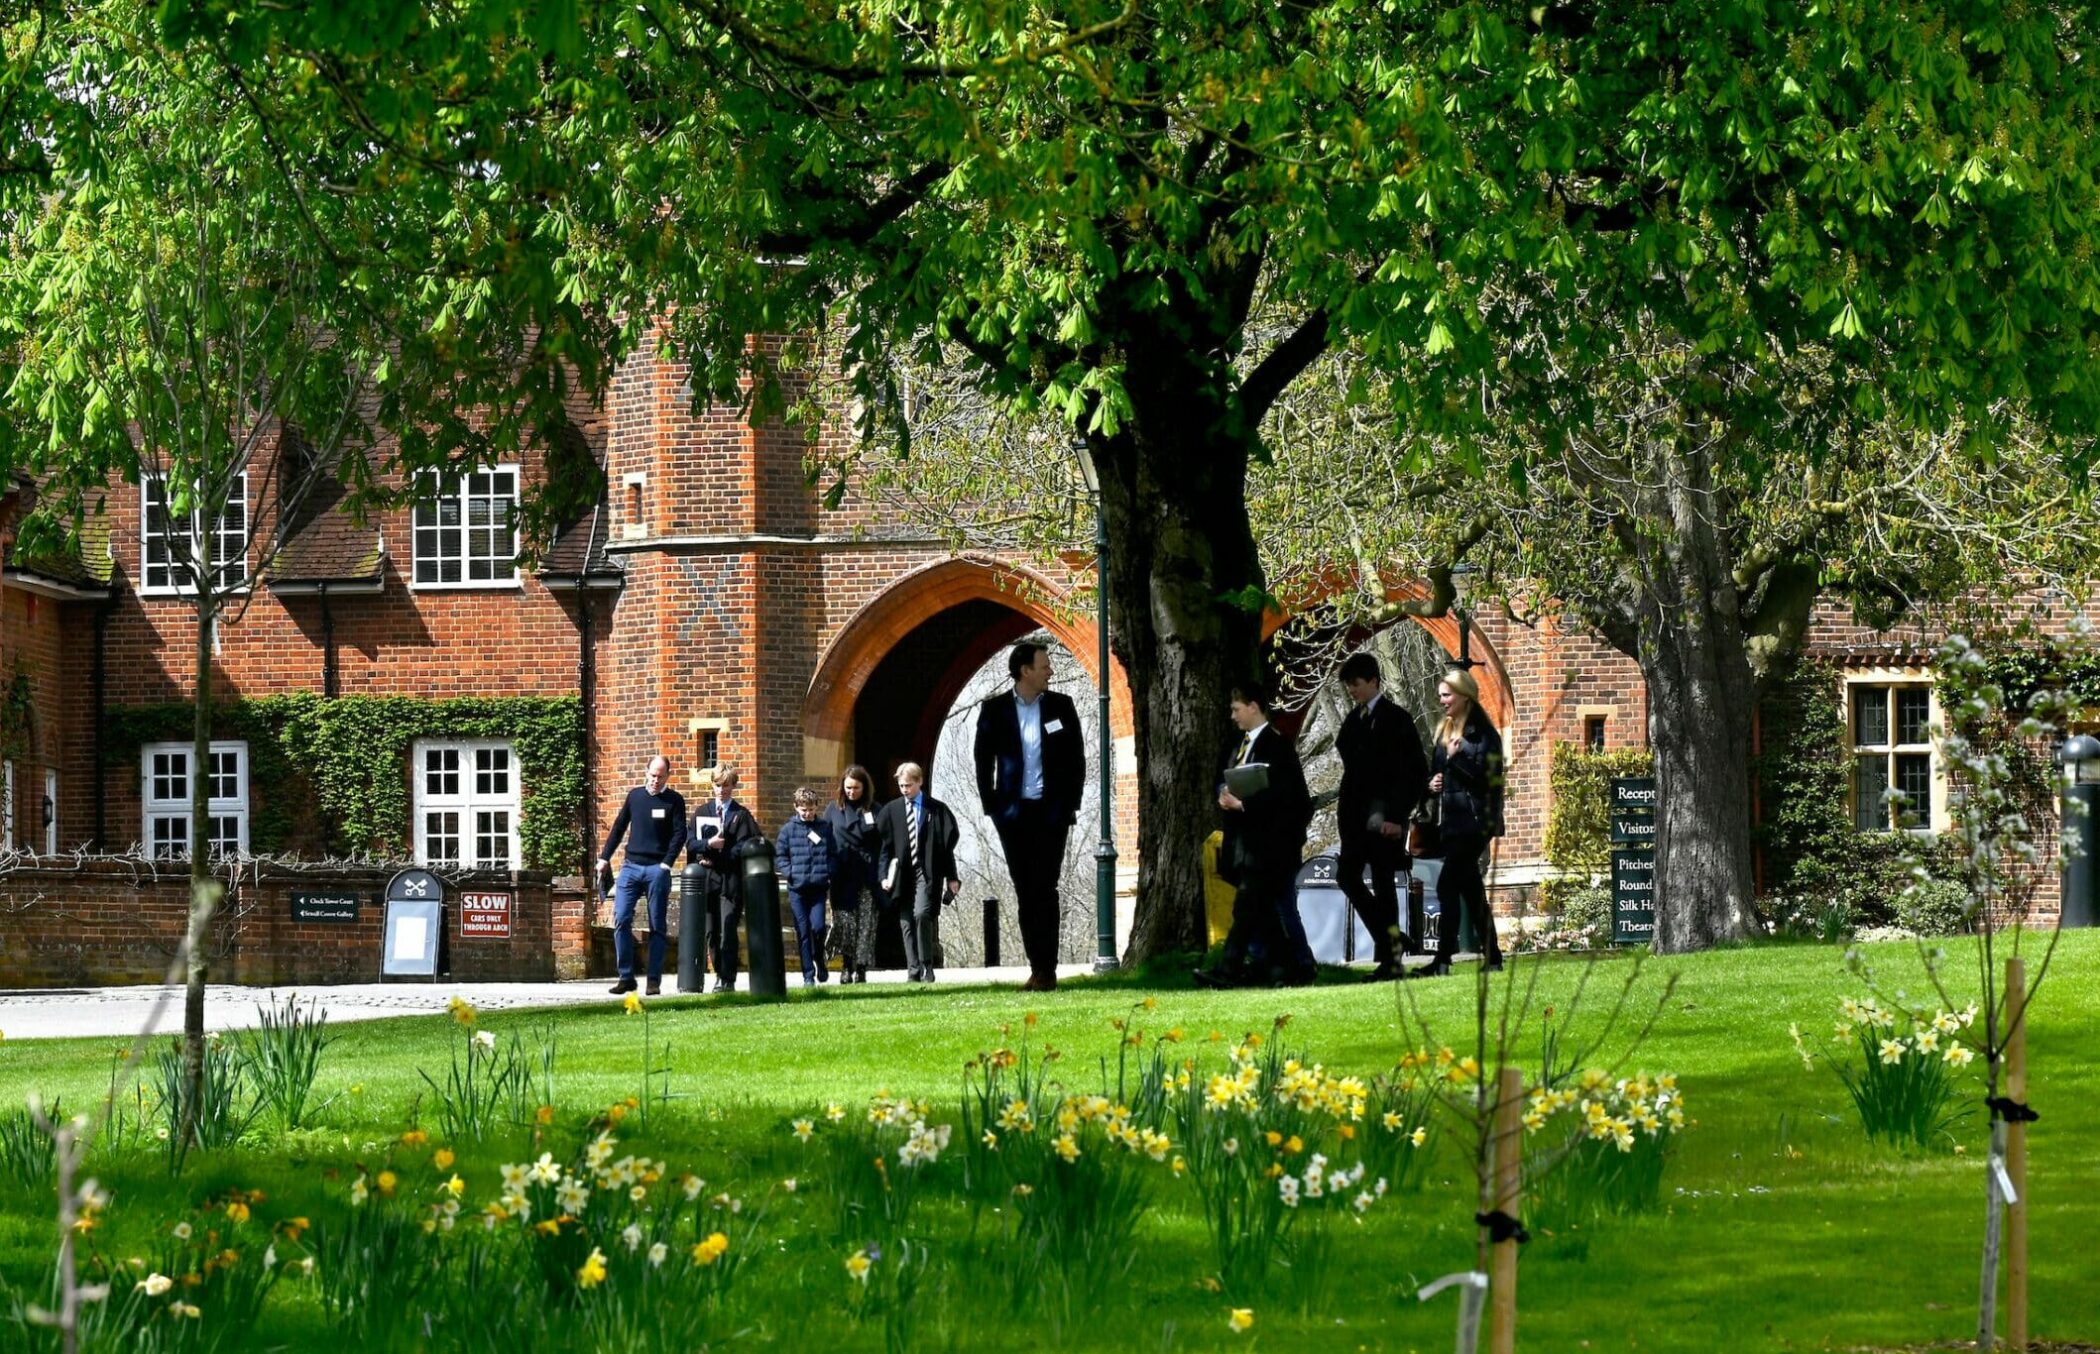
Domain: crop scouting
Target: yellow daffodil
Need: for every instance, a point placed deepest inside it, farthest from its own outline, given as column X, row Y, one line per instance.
column 1240, row 1319
column 858, row 1265
column 387, row 1180
column 461, row 1011
column 592, row 1272
column 1066, row 1146
column 1419, row 1136
column 1960, row 1055
column 633, row 1004
column 711, row 1249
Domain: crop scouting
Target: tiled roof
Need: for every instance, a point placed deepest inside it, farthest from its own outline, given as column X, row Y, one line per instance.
column 325, row 546
column 578, row 551
column 84, row 564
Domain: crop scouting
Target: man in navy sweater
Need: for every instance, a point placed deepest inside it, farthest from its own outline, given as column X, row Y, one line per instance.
column 653, row 821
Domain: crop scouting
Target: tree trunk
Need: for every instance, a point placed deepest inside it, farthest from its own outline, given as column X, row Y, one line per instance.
column 1694, row 656
column 1184, row 572
column 205, row 888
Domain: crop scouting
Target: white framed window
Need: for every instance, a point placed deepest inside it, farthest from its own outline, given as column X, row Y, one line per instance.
column 464, row 535
column 466, row 805
column 164, row 773
column 1891, row 722
column 163, row 569
column 50, row 813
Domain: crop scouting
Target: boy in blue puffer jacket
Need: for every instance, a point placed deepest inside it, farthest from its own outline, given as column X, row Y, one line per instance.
column 805, row 855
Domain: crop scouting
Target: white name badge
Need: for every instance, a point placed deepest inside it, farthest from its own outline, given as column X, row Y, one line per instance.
column 656, row 813
column 816, row 839
column 1054, row 726
column 868, row 818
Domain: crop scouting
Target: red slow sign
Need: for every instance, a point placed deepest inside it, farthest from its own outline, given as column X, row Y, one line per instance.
column 485, row 914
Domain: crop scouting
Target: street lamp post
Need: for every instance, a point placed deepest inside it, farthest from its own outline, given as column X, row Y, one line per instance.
column 1104, row 852
column 1461, row 581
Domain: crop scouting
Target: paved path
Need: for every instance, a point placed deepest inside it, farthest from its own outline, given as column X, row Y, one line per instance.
column 118, row 1011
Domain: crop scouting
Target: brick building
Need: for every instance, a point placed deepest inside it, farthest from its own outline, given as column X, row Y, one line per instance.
column 711, row 607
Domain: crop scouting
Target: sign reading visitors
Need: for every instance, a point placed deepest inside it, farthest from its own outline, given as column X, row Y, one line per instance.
column 334, row 907
column 485, row 914
column 1632, row 812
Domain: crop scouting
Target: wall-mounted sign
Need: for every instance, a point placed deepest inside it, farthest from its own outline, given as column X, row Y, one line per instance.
column 333, row 907
column 486, row 915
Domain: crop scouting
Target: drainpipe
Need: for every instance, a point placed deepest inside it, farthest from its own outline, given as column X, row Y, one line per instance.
column 331, row 685
column 98, row 775
column 587, row 697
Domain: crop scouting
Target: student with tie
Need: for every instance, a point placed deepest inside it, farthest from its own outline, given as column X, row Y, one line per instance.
column 1383, row 772
column 1031, row 771
column 918, row 866
column 1263, row 847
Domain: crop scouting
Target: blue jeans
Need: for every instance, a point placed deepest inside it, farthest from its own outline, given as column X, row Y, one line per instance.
column 635, row 879
column 808, row 908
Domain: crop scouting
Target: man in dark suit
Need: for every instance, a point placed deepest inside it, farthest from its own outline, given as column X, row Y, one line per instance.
column 1031, row 770
column 1263, row 847
column 1383, row 772
column 721, row 829
column 918, row 835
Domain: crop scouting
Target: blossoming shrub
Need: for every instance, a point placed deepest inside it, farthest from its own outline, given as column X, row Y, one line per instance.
column 1599, row 1146
column 1902, row 1067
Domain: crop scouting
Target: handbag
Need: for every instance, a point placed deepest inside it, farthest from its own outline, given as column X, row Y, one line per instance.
column 1425, row 828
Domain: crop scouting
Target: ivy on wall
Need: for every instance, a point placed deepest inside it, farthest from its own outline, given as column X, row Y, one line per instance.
column 331, row 777
column 16, row 706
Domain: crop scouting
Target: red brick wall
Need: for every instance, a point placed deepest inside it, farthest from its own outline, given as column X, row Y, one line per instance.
column 106, row 923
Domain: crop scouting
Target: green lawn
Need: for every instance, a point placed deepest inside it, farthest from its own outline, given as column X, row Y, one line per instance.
column 1782, row 1228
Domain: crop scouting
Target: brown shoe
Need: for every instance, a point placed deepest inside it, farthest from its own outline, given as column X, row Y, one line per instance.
column 654, row 990
column 1031, row 984
column 1046, row 983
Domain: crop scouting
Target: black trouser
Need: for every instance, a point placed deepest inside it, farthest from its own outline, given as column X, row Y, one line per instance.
column 1034, row 842
column 1258, row 939
column 1378, row 904
column 1462, row 893
column 920, row 899
column 725, row 910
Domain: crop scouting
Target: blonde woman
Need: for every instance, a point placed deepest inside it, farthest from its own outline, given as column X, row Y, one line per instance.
column 1466, row 775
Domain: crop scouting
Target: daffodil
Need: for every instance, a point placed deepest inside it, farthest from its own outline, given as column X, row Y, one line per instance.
column 461, row 1010
column 1960, row 1055
column 633, row 1004
column 592, row 1272
column 712, row 1248
column 803, row 1129
column 153, row 1285
column 1240, row 1319
column 858, row 1264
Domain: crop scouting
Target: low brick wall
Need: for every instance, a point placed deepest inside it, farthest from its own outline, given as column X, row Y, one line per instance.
column 109, row 922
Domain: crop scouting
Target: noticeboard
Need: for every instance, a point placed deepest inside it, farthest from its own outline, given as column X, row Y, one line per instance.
column 415, row 925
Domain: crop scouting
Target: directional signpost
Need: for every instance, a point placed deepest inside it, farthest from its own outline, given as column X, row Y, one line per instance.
column 1633, row 803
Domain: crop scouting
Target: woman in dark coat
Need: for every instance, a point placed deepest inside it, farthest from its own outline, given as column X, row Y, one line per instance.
column 856, row 897
column 1466, row 776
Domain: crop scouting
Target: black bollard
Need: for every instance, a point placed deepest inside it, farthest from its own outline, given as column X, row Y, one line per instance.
column 762, row 922
column 991, row 933
column 692, row 927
